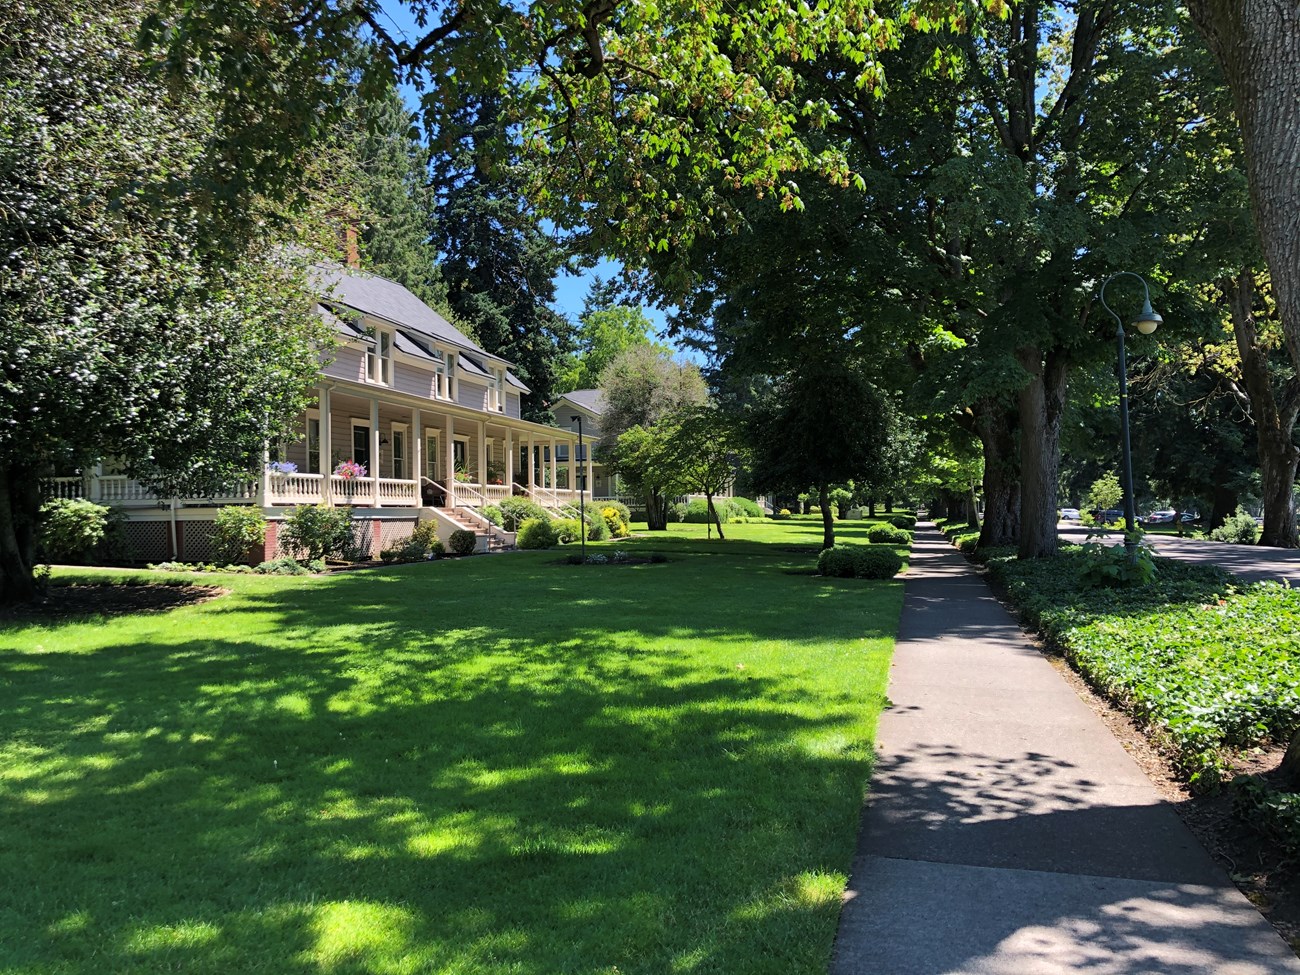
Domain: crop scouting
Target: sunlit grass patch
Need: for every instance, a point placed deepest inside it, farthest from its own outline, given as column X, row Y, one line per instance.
column 479, row 766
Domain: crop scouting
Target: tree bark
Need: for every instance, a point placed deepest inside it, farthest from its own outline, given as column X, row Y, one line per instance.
column 713, row 514
column 1224, row 503
column 1042, row 404
column 20, row 503
column 1258, row 44
column 1274, row 416
column 871, row 508
column 656, row 512
column 889, row 504
column 828, row 516
column 996, row 428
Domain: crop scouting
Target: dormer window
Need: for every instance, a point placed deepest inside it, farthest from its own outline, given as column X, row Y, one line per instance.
column 497, row 391
column 379, row 358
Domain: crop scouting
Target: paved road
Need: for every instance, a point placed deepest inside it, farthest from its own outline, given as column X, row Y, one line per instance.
column 1007, row 832
column 1254, row 562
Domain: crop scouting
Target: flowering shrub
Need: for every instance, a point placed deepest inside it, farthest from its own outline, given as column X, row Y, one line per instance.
column 350, row 469
column 283, row 467
column 236, row 531
column 615, row 521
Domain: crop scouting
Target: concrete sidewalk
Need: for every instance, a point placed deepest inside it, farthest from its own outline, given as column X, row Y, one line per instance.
column 1008, row 832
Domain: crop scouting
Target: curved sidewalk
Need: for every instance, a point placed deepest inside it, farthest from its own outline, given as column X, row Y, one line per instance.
column 1007, row 832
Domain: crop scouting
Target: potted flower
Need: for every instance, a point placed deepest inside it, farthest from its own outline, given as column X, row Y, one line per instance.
column 350, row 470
column 282, row 467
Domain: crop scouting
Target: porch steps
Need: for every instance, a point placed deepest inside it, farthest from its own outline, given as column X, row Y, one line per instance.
column 494, row 543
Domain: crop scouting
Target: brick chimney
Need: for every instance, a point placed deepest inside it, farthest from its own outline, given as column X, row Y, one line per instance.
column 347, row 229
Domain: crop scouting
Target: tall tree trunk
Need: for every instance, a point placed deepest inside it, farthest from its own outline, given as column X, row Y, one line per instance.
column 656, row 512
column 871, row 508
column 1042, row 404
column 996, row 428
column 1274, row 416
column 20, row 502
column 1224, row 503
column 889, row 504
column 713, row 513
column 828, row 516
column 1258, row 44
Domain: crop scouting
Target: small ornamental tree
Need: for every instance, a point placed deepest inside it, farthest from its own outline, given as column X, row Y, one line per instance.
column 706, row 447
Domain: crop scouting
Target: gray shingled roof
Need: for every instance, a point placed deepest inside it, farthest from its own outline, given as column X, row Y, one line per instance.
column 591, row 400
column 373, row 295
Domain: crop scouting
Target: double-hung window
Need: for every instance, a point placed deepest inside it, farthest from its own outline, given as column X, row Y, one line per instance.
column 379, row 358
column 497, row 391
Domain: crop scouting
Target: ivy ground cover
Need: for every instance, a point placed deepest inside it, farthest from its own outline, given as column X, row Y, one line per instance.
column 1210, row 663
column 493, row 765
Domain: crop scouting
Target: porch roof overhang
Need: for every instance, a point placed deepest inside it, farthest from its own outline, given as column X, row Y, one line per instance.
column 407, row 401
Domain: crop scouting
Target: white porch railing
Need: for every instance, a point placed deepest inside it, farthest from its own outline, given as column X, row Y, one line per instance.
column 468, row 493
column 399, row 493
column 352, row 490
column 64, row 487
column 114, row 487
column 496, row 493
column 296, row 489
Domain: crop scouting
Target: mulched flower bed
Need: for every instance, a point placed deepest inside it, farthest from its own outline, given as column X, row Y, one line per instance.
column 76, row 601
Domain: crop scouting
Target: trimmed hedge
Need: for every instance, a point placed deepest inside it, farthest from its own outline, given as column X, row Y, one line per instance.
column 888, row 535
column 905, row 522
column 748, row 508
column 462, row 542
column 515, row 511
column 860, row 561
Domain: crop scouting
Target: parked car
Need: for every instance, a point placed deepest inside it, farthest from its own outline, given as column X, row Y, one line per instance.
column 1165, row 517
column 1107, row 515
column 1069, row 514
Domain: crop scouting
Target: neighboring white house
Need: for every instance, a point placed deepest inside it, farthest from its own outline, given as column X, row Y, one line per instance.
column 432, row 418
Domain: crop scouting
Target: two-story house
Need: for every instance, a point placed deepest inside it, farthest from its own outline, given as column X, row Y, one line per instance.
column 429, row 421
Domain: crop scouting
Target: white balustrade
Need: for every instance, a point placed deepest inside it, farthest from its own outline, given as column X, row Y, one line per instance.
column 496, row 493
column 296, row 488
column 352, row 490
column 64, row 487
column 393, row 491
column 118, row 488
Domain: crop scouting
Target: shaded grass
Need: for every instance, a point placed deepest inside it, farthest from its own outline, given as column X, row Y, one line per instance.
column 491, row 765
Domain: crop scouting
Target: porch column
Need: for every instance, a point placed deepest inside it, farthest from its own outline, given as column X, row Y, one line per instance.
column 374, row 448
column 449, row 470
column 532, row 462
column 264, row 482
column 482, row 453
column 326, row 446
column 416, row 447
column 573, row 465
column 555, row 465
column 591, row 471
column 510, row 461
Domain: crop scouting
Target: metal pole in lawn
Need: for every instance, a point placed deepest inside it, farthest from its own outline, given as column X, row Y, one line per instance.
column 1146, row 323
column 582, row 508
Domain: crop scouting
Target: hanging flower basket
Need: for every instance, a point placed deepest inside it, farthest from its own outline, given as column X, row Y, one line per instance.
column 350, row 470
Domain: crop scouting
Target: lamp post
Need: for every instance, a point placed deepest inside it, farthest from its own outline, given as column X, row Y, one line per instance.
column 1146, row 322
column 582, row 508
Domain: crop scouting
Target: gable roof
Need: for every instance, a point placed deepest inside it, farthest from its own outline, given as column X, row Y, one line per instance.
column 417, row 322
column 591, row 400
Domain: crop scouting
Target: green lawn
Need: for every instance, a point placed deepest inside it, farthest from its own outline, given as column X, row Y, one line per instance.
column 491, row 765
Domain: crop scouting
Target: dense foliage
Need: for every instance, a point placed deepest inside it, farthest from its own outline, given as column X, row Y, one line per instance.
column 1210, row 664
column 138, row 322
column 236, row 531
column 859, row 561
column 318, row 531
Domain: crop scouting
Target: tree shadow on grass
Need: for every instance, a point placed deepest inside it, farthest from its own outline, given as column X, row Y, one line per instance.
column 477, row 767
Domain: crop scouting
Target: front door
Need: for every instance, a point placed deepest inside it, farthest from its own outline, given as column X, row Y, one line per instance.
column 361, row 446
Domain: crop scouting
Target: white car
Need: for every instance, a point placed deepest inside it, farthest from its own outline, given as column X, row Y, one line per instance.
column 1069, row 514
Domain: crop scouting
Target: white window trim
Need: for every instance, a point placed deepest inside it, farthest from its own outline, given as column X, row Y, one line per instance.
column 313, row 413
column 352, row 442
column 405, row 430
column 374, row 354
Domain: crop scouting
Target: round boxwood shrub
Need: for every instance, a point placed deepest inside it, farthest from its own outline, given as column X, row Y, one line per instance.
column 905, row 522
column 748, row 508
column 888, row 535
column 878, row 562
column 838, row 561
column 860, row 561
column 697, row 511
column 462, row 542
column 536, row 533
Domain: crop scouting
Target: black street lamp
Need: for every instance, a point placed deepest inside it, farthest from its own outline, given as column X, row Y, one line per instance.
column 1146, row 323
column 582, row 508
